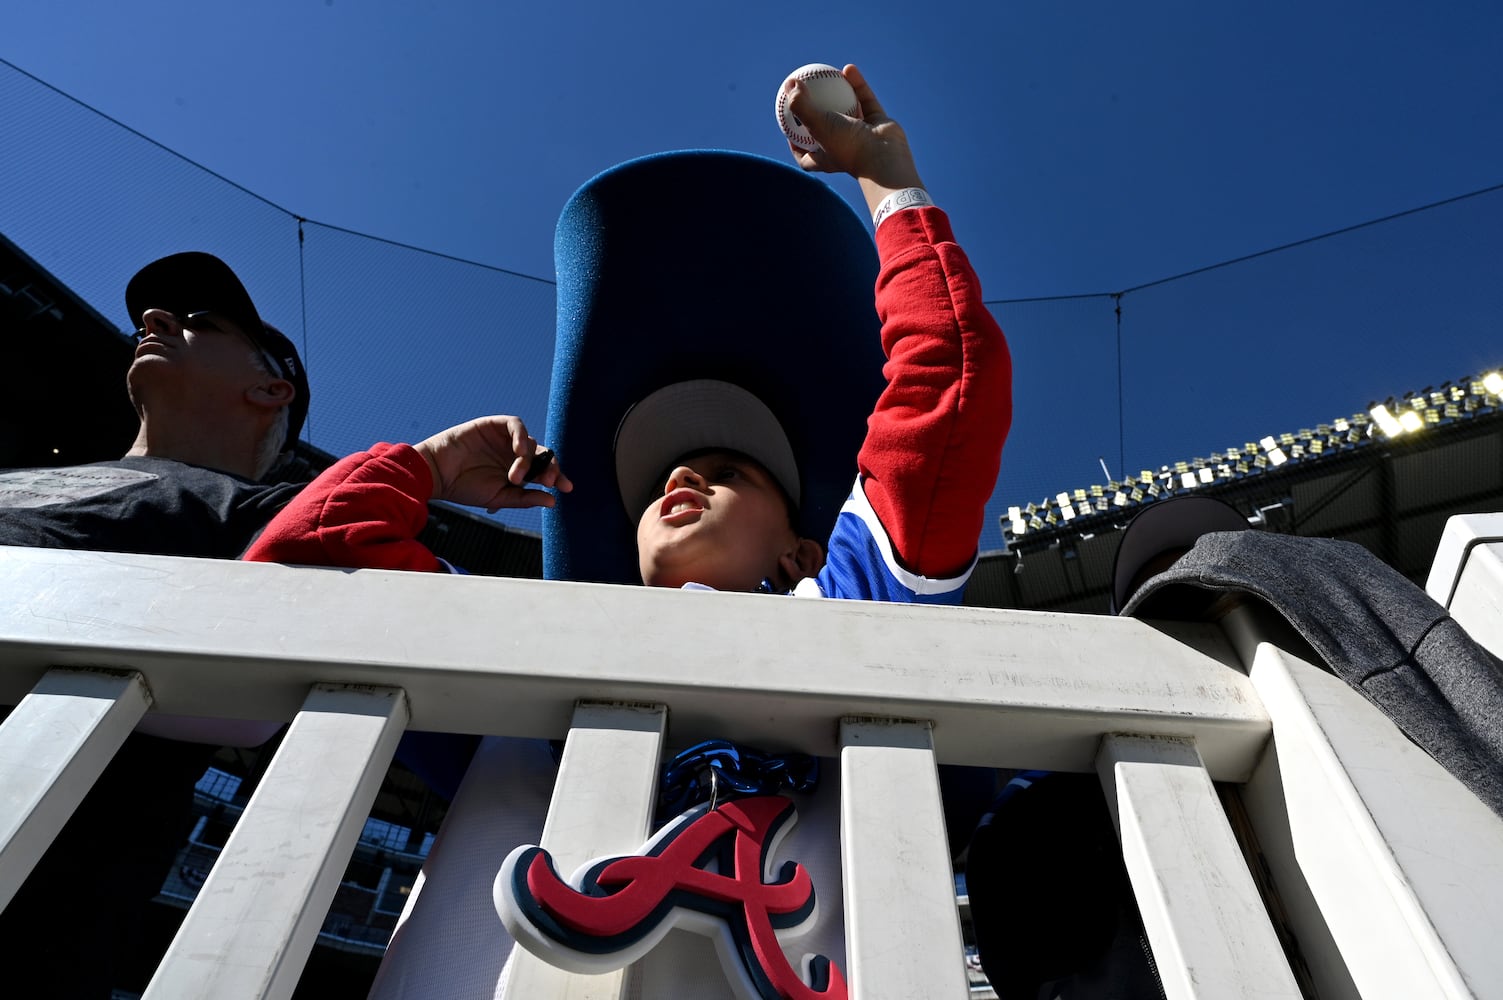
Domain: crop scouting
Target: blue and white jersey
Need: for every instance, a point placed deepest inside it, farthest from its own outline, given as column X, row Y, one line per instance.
column 861, row 566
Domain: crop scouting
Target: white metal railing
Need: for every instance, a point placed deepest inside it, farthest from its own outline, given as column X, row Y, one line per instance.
column 1391, row 872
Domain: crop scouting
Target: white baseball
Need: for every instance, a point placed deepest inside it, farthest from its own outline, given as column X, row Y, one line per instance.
column 831, row 92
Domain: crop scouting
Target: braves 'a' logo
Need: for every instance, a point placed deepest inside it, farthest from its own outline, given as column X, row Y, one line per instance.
column 703, row 872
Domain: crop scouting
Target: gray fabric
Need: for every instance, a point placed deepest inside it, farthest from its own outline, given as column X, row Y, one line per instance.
column 1373, row 628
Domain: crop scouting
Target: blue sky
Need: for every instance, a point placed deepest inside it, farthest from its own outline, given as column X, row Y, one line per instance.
column 1080, row 148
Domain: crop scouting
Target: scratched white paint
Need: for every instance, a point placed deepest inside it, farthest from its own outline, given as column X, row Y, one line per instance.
column 249, row 932
column 52, row 748
column 1391, row 869
column 602, row 806
column 1205, row 921
column 1015, row 689
column 902, row 927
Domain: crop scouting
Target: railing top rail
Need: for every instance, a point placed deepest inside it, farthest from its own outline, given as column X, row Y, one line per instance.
column 491, row 655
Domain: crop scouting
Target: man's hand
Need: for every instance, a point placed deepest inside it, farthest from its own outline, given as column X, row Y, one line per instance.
column 484, row 463
column 873, row 149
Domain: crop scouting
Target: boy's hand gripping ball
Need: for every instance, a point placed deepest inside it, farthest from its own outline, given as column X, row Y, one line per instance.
column 831, row 93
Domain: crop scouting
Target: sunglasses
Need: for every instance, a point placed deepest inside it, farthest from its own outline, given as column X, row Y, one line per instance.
column 203, row 321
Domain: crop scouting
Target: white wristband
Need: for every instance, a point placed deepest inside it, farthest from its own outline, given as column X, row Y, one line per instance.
column 898, row 201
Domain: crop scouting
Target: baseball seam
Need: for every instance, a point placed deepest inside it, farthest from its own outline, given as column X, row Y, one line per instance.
column 785, row 116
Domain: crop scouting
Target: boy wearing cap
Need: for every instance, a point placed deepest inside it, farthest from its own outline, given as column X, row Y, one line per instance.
column 728, row 426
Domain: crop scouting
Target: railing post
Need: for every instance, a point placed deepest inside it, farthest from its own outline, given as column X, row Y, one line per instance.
column 1388, row 866
column 53, row 747
column 602, row 805
column 249, row 932
column 1210, row 933
column 1467, row 576
column 902, row 925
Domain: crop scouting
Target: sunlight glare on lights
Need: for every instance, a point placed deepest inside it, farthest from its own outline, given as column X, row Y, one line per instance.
column 1385, row 421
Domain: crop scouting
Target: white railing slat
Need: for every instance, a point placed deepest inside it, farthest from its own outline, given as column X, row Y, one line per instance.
column 602, row 805
column 1389, row 867
column 1467, row 576
column 902, row 927
column 1210, row 933
column 249, row 932
column 53, row 746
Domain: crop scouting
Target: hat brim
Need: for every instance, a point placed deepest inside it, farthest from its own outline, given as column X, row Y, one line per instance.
column 191, row 282
column 1164, row 526
column 695, row 265
column 686, row 417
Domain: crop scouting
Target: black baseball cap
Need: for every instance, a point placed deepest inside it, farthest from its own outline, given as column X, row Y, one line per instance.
column 1168, row 525
column 194, row 282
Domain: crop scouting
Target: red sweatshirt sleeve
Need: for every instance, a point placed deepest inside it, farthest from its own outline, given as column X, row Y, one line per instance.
column 364, row 511
column 934, row 443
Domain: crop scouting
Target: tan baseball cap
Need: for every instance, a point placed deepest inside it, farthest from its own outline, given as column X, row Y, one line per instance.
column 691, row 416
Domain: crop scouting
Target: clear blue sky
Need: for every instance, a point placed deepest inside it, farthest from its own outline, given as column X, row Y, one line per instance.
column 1080, row 148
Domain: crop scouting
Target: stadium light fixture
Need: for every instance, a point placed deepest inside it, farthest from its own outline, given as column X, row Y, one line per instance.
column 1463, row 400
column 1386, row 421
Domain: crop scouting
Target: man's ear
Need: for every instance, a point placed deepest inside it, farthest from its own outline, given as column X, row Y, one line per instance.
column 272, row 394
column 806, row 558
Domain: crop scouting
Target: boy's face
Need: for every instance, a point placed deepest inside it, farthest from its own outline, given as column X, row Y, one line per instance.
column 721, row 520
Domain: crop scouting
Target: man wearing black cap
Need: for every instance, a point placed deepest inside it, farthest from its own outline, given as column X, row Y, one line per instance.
column 195, row 320
column 220, row 395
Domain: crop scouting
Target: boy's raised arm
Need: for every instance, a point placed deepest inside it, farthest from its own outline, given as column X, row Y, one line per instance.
column 934, row 442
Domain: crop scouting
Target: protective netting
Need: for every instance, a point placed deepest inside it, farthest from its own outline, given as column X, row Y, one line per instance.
column 400, row 342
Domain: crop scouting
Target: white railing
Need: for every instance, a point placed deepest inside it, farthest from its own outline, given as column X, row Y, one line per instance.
column 1391, row 873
